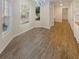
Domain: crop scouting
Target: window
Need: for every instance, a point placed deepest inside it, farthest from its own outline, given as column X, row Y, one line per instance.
column 5, row 15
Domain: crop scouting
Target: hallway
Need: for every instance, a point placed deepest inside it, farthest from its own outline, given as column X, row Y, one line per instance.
column 63, row 41
column 40, row 43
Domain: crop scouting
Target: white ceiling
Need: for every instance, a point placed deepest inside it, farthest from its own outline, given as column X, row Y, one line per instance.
column 65, row 2
column 57, row 2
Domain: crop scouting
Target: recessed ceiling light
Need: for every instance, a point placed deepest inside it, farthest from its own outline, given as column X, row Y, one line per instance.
column 61, row 4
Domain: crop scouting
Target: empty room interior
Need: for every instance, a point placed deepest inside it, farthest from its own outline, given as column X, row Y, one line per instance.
column 39, row 29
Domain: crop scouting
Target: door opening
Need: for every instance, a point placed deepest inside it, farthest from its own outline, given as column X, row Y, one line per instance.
column 64, row 14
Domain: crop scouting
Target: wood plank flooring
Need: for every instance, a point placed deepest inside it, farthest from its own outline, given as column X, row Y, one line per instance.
column 40, row 43
column 63, row 41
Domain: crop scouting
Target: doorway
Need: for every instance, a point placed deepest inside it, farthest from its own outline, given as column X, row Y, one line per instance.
column 64, row 14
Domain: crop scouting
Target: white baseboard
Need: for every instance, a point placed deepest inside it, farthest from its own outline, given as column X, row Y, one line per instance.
column 4, row 47
column 10, row 39
column 5, row 42
column 21, row 32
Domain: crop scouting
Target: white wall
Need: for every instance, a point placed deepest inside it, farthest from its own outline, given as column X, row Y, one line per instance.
column 71, row 16
column 16, row 27
column 76, row 10
column 74, row 17
column 46, row 17
column 51, row 14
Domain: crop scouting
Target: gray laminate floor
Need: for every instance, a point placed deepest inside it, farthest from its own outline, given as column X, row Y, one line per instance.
column 30, row 45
